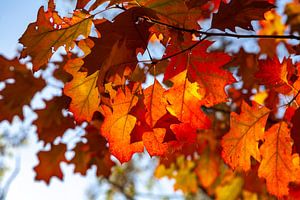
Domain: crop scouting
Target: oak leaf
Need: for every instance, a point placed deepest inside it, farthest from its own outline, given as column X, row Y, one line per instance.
column 50, row 31
column 241, row 142
column 203, row 67
column 155, row 103
column 118, row 125
column 274, row 74
column 174, row 12
column 13, row 96
column 276, row 165
column 185, row 102
column 92, row 152
column 49, row 163
column 154, row 142
column 126, row 31
column 83, row 91
column 240, row 13
column 51, row 123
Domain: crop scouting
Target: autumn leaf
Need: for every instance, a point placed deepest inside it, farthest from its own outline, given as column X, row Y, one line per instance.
column 49, row 163
column 13, row 97
column 155, row 103
column 49, row 32
column 184, row 132
column 92, row 152
column 274, row 74
column 292, row 10
column 204, row 68
column 230, row 188
column 174, row 12
column 119, row 41
column 241, row 142
column 141, row 126
column 82, row 89
column 50, row 127
column 276, row 165
column 247, row 67
column 240, row 14
column 273, row 25
column 154, row 142
column 185, row 179
column 118, row 125
column 207, row 169
column 8, row 67
column 295, row 134
column 207, row 129
column 185, row 102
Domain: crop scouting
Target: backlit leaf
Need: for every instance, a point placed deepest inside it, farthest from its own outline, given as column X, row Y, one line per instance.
column 276, row 165
column 49, row 32
column 118, row 125
column 82, row 89
column 241, row 142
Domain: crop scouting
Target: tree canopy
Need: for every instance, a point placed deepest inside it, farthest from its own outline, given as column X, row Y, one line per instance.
column 165, row 78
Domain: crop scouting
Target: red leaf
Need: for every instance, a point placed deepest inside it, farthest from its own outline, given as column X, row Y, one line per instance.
column 204, row 68
column 274, row 74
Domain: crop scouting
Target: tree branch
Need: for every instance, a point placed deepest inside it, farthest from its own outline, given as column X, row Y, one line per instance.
column 4, row 190
column 224, row 34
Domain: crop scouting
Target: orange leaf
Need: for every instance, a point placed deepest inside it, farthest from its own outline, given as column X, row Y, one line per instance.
column 154, row 142
column 155, row 103
column 185, row 102
column 82, row 89
column 118, row 125
column 207, row 169
column 277, row 165
column 241, row 142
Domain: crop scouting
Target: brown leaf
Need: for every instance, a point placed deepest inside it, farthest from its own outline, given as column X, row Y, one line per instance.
column 13, row 95
column 240, row 13
column 51, row 123
column 49, row 163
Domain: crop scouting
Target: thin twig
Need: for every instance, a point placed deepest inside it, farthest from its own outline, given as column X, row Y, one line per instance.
column 224, row 34
column 120, row 189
